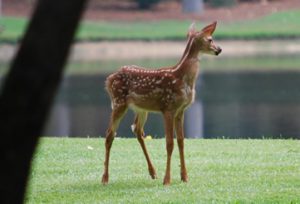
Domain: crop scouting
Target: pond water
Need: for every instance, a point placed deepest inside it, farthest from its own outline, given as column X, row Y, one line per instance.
column 231, row 103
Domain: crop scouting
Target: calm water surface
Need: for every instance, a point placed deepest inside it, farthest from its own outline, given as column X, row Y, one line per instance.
column 229, row 104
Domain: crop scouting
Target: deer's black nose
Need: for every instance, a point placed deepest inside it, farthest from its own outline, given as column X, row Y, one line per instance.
column 219, row 50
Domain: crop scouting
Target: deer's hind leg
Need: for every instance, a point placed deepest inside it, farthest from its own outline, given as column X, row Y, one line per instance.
column 116, row 116
column 138, row 130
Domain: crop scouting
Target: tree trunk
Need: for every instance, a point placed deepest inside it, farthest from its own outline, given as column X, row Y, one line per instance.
column 192, row 6
column 29, row 88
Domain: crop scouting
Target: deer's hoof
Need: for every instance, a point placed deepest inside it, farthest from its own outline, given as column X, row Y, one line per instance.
column 153, row 176
column 152, row 173
column 167, row 181
column 104, row 179
column 184, row 178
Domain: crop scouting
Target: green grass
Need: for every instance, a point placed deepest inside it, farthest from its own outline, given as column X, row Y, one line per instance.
column 220, row 171
column 13, row 29
column 277, row 25
column 157, row 30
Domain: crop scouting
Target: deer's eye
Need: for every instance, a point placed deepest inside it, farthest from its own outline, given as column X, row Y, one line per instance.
column 209, row 40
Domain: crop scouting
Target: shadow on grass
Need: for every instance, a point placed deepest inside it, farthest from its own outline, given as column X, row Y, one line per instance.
column 123, row 185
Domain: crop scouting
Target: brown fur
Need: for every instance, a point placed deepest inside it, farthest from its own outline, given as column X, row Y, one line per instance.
column 168, row 90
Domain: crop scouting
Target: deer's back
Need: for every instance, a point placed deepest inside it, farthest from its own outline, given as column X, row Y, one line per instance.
column 152, row 90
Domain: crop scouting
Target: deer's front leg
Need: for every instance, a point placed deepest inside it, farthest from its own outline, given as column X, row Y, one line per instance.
column 169, row 128
column 180, row 141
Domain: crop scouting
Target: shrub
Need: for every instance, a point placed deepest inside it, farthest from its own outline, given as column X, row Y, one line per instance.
column 146, row 4
column 222, row 3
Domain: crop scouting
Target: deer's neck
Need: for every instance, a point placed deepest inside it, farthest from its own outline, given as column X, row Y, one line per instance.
column 188, row 66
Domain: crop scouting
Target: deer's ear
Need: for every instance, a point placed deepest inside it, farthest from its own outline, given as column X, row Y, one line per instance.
column 209, row 30
column 192, row 30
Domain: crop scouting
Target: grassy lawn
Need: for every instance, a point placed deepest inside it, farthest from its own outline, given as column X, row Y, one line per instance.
column 220, row 171
column 278, row 25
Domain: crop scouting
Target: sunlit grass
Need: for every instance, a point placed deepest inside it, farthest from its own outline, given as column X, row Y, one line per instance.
column 278, row 25
column 220, row 171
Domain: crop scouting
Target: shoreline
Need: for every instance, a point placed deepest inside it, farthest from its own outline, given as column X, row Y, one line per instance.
column 108, row 50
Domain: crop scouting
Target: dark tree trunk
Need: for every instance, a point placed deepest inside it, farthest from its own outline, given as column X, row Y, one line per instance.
column 29, row 89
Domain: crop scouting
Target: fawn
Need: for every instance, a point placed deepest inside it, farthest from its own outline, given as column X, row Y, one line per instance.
column 168, row 90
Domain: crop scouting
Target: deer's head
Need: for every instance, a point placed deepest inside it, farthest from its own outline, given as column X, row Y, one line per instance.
column 203, row 39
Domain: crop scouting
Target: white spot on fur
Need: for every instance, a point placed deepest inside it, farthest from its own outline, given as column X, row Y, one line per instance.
column 133, row 126
column 193, row 95
column 112, row 105
column 169, row 90
column 158, row 82
column 157, row 90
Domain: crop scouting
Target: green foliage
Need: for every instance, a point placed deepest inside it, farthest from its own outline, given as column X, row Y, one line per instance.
column 220, row 171
column 146, row 4
column 222, row 3
column 277, row 25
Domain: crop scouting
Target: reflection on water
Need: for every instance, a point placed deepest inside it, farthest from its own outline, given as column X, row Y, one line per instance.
column 252, row 105
column 228, row 104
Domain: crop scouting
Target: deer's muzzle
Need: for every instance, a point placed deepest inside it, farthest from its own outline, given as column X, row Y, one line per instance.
column 218, row 51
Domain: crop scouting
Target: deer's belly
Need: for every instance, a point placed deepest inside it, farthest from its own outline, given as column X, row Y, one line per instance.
column 147, row 102
column 160, row 100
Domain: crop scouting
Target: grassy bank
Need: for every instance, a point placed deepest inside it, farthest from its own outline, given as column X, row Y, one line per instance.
column 277, row 25
column 220, row 171
column 208, row 64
